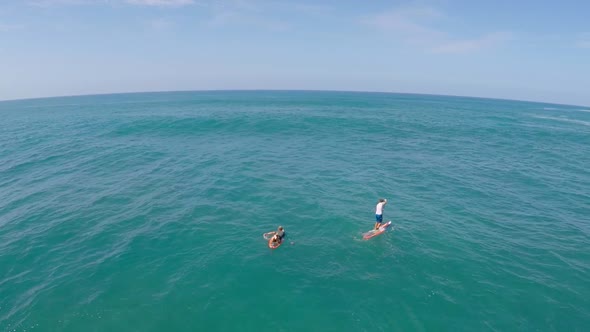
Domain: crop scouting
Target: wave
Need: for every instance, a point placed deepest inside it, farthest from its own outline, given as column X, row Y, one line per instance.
column 566, row 109
column 585, row 123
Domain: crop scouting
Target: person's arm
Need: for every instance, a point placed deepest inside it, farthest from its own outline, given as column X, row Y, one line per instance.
column 384, row 201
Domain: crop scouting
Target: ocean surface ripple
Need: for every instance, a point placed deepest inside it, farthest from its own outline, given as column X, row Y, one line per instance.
column 144, row 212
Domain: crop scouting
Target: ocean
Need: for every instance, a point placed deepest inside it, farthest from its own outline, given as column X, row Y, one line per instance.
column 145, row 212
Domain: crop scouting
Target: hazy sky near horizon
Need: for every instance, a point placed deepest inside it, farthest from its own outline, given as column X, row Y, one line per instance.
column 528, row 50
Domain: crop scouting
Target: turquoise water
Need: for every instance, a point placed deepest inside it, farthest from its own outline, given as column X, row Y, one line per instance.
column 145, row 212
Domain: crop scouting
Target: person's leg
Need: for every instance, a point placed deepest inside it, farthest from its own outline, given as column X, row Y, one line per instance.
column 378, row 221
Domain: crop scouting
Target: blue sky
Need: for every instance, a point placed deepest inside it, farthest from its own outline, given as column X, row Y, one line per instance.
column 529, row 50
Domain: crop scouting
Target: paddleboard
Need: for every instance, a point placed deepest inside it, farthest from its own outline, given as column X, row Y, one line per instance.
column 375, row 232
column 274, row 245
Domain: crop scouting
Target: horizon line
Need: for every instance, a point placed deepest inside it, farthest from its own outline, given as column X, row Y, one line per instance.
column 286, row 90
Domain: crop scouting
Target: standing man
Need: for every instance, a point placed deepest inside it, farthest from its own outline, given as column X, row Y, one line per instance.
column 379, row 212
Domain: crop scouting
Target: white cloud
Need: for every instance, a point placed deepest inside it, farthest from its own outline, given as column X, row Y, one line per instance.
column 161, row 24
column 415, row 25
column 48, row 3
column 264, row 14
column 583, row 41
column 471, row 45
column 9, row 27
column 236, row 17
column 251, row 13
column 275, row 15
column 306, row 9
column 408, row 23
column 172, row 3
